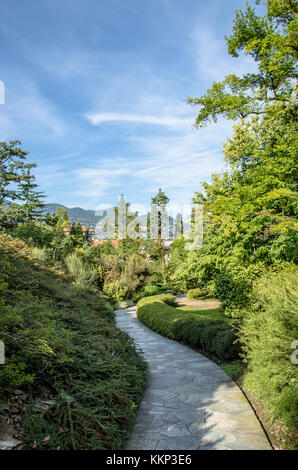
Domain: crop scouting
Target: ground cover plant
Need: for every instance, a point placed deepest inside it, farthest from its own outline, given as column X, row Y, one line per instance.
column 61, row 344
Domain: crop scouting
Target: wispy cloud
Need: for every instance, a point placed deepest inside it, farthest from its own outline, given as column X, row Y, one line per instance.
column 27, row 109
column 94, row 182
column 167, row 121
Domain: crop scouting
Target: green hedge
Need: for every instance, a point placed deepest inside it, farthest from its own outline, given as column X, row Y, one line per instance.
column 268, row 330
column 209, row 334
column 196, row 293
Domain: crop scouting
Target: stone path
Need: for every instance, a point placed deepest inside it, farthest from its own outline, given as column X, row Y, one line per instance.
column 190, row 403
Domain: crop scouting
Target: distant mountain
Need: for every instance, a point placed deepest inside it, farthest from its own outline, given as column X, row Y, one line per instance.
column 87, row 217
column 76, row 214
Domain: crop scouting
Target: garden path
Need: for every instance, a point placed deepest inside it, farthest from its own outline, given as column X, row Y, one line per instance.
column 190, row 403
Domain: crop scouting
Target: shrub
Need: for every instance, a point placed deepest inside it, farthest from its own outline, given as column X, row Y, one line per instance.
column 210, row 334
column 233, row 286
column 168, row 299
column 83, row 275
column 42, row 254
column 147, row 291
column 196, row 293
column 153, row 289
column 109, row 268
column 115, row 291
column 134, row 273
column 234, row 369
column 268, row 330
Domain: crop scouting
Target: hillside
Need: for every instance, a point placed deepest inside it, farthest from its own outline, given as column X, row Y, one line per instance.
column 76, row 214
column 62, row 345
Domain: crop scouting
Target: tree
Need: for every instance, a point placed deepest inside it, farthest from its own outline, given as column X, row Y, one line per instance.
column 271, row 41
column 16, row 184
column 160, row 201
column 62, row 217
column 32, row 205
column 12, row 165
column 76, row 237
column 125, row 213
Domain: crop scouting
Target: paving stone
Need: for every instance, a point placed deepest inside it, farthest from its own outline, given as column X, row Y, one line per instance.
column 190, row 402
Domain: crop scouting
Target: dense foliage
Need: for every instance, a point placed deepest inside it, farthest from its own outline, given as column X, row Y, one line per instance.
column 268, row 330
column 61, row 343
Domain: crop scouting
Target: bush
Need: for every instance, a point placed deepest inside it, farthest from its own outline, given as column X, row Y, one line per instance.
column 109, row 268
column 196, row 293
column 83, row 275
column 234, row 369
column 148, row 291
column 212, row 335
column 134, row 274
column 153, row 289
column 268, row 330
column 233, row 286
column 42, row 254
column 115, row 291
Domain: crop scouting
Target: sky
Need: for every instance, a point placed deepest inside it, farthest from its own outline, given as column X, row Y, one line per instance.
column 96, row 92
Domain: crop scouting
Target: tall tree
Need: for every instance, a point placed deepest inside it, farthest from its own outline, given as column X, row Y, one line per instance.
column 76, row 236
column 160, row 201
column 123, row 219
column 32, row 200
column 12, row 165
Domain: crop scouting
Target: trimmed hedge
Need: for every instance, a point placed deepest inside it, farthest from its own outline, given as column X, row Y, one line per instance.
column 196, row 293
column 211, row 335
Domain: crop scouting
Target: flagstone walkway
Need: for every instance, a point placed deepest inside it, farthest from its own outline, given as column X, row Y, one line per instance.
column 190, row 403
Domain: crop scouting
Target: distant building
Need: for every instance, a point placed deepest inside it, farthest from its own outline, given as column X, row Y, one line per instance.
column 89, row 233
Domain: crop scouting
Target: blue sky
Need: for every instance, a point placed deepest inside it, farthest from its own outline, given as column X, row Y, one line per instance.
column 96, row 90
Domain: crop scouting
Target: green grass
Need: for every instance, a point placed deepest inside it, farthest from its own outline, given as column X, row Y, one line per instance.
column 61, row 343
column 214, row 313
column 206, row 330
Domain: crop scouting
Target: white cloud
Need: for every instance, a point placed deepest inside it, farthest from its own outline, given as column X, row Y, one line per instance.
column 94, row 182
column 167, row 121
